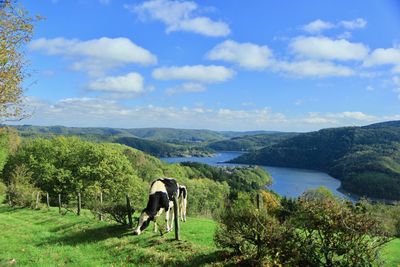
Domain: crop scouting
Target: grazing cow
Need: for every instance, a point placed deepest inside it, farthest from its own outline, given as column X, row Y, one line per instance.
column 182, row 200
column 160, row 198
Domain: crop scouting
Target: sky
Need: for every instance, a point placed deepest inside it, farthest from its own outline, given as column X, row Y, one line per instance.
column 220, row 65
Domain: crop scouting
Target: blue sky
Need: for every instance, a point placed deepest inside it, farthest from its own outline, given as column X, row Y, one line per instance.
column 221, row 65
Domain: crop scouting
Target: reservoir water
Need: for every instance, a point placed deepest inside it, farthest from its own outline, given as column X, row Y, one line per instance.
column 286, row 181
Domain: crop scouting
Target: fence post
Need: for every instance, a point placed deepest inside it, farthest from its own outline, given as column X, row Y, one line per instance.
column 48, row 200
column 129, row 210
column 37, row 200
column 79, row 205
column 9, row 200
column 59, row 203
column 176, row 219
column 101, row 206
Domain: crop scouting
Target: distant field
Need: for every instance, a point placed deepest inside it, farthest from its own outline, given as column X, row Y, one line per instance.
column 45, row 238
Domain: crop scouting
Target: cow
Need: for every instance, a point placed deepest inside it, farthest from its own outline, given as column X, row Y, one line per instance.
column 161, row 195
column 182, row 200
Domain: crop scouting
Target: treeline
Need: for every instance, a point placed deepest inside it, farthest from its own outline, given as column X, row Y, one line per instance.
column 68, row 165
column 250, row 142
column 365, row 159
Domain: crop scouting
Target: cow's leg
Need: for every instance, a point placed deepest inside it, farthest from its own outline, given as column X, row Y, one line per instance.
column 171, row 204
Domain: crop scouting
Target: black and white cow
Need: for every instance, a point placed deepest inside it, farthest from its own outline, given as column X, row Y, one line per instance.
column 160, row 198
column 182, row 200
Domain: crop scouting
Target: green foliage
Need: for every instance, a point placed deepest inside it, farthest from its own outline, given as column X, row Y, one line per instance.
column 249, row 142
column 365, row 159
column 117, row 212
column 315, row 230
column 69, row 165
column 20, row 191
column 9, row 142
column 161, row 149
column 3, row 189
column 240, row 179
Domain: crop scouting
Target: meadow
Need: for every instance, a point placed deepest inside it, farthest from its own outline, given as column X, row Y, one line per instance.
column 46, row 238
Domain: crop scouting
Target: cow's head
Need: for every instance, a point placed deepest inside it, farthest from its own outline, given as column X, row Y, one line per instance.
column 144, row 221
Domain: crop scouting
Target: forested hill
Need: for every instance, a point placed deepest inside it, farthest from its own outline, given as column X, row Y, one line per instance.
column 366, row 159
column 250, row 142
column 169, row 135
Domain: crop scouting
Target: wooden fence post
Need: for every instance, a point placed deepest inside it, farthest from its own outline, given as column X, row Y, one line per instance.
column 101, row 206
column 129, row 210
column 59, row 203
column 9, row 200
column 37, row 200
column 48, row 200
column 79, row 205
column 176, row 219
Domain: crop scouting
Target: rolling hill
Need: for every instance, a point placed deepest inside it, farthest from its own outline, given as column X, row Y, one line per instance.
column 366, row 159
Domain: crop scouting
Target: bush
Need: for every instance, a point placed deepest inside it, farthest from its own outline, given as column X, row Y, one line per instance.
column 19, row 191
column 255, row 237
column 314, row 230
column 115, row 212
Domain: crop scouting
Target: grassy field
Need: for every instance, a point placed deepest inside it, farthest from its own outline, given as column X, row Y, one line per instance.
column 45, row 238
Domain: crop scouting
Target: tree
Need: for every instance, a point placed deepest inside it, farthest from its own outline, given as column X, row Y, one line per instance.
column 16, row 28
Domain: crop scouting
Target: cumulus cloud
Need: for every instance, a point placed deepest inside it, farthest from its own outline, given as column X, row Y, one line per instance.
column 317, row 26
column 186, row 88
column 179, row 16
column 326, row 48
column 97, row 55
column 130, row 83
column 246, row 55
column 312, row 68
column 382, row 56
column 197, row 73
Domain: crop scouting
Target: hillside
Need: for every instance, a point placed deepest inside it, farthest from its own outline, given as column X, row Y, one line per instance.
column 250, row 142
column 45, row 238
column 366, row 159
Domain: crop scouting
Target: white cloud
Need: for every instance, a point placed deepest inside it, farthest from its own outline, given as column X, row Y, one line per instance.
column 382, row 56
column 129, row 83
column 96, row 55
column 186, row 88
column 354, row 24
column 325, row 48
column 317, row 26
column 179, row 16
column 311, row 68
column 94, row 112
column 246, row 55
column 198, row 73
column 348, row 118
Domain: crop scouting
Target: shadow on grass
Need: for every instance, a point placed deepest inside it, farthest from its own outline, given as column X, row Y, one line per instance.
column 7, row 209
column 200, row 260
column 82, row 236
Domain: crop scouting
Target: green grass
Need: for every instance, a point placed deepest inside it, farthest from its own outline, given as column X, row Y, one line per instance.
column 391, row 253
column 45, row 238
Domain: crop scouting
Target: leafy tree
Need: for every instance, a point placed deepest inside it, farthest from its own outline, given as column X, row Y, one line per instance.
column 16, row 30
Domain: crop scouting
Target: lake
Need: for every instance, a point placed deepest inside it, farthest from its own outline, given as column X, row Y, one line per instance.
column 286, row 181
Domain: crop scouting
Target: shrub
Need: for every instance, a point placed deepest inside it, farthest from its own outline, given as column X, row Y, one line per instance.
column 3, row 188
column 19, row 191
column 116, row 212
column 314, row 230
column 254, row 236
